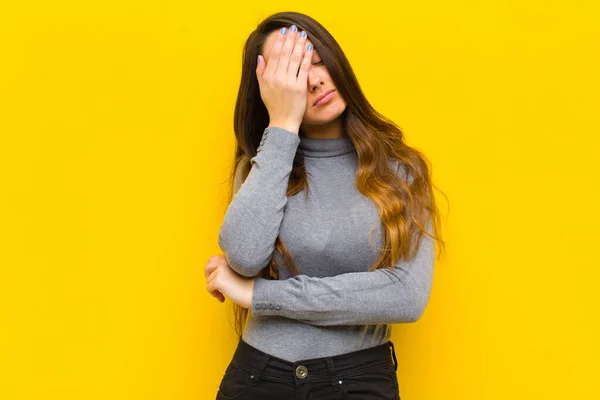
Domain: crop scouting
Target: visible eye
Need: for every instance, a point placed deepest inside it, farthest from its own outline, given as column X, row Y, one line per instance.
column 319, row 63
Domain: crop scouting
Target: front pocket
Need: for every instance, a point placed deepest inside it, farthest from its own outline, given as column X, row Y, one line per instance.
column 234, row 381
column 232, row 367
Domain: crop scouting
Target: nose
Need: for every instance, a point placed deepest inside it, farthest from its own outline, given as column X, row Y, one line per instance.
column 314, row 79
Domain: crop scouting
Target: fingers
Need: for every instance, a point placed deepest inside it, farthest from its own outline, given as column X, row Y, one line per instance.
column 273, row 60
column 213, row 263
column 218, row 295
column 210, row 267
column 210, row 273
column 306, row 64
column 286, row 51
column 212, row 282
column 212, row 286
column 297, row 55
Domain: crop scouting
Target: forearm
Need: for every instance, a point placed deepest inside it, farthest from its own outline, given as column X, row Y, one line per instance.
column 382, row 296
column 252, row 220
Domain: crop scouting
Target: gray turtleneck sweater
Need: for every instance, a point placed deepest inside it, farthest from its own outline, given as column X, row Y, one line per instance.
column 334, row 305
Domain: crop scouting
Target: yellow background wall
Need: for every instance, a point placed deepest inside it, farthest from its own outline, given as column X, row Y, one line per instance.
column 116, row 139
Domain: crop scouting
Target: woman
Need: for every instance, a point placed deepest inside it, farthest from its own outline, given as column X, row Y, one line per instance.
column 324, row 187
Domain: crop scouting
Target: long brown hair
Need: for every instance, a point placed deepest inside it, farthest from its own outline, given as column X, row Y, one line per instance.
column 404, row 203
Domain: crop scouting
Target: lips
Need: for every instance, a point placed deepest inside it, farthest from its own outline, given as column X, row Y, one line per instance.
column 323, row 95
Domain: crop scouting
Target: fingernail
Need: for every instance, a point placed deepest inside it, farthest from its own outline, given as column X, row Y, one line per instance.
column 258, row 60
column 310, row 47
column 283, row 31
column 303, row 34
column 293, row 28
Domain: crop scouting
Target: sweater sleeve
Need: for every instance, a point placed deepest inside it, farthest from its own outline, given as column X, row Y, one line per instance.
column 382, row 296
column 253, row 218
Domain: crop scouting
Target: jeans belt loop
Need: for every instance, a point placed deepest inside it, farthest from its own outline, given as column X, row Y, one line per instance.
column 331, row 371
column 256, row 378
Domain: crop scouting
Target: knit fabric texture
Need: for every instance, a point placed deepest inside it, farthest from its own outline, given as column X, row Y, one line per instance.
column 334, row 305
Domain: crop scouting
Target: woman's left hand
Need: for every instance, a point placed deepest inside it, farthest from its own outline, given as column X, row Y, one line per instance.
column 223, row 281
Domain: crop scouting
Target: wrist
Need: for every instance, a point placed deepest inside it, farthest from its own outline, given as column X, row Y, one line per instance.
column 250, row 292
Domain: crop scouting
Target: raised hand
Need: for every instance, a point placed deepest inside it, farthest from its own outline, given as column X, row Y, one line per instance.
column 283, row 79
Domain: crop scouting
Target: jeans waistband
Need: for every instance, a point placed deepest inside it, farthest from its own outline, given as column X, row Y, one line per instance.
column 263, row 365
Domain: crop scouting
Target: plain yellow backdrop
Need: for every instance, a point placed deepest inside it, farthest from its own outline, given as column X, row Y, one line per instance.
column 116, row 139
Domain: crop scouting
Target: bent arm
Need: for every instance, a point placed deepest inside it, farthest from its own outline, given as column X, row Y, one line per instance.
column 252, row 220
column 382, row 296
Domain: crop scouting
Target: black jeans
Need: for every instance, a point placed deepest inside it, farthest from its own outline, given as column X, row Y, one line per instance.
column 360, row 375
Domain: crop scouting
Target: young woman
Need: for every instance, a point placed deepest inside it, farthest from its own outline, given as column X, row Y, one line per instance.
column 328, row 235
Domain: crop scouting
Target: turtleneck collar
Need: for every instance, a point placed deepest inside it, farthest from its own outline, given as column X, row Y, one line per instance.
column 320, row 148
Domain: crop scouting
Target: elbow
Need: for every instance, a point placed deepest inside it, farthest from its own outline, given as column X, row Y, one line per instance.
column 416, row 308
column 244, row 262
column 417, row 295
column 415, row 314
column 243, row 266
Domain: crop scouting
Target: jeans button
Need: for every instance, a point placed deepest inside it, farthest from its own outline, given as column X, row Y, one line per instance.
column 301, row 372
